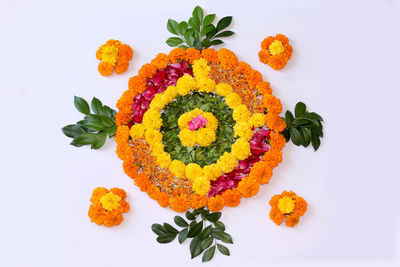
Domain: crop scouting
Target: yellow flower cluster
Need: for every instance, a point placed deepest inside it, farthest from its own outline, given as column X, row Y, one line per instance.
column 203, row 136
column 152, row 122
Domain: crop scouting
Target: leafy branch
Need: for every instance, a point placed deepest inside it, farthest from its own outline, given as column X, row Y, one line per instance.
column 305, row 128
column 204, row 233
column 198, row 31
column 94, row 128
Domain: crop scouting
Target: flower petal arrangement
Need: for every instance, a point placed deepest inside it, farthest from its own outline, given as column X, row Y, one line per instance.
column 114, row 56
column 197, row 130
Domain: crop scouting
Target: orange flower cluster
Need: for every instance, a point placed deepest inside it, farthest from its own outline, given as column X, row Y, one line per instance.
column 275, row 51
column 287, row 207
column 107, row 206
column 160, row 184
column 115, row 56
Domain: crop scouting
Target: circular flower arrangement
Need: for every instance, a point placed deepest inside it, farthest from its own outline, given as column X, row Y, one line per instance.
column 199, row 129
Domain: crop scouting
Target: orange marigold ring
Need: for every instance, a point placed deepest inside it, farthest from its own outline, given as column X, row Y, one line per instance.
column 115, row 56
column 159, row 183
column 275, row 51
column 107, row 206
column 287, row 207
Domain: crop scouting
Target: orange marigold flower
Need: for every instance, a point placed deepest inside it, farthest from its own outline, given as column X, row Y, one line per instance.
column 287, row 206
column 198, row 201
column 215, row 203
column 210, row 54
column 147, row 70
column 277, row 141
column 261, row 172
column 160, row 61
column 192, row 54
column 231, row 198
column 272, row 104
column 179, row 203
column 275, row 51
column 107, row 206
column 248, row 187
column 115, row 56
column 137, row 84
column 142, row 181
column 176, row 54
column 264, row 88
column 273, row 157
column 227, row 58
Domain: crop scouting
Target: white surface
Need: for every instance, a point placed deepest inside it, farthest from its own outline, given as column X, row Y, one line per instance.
column 344, row 66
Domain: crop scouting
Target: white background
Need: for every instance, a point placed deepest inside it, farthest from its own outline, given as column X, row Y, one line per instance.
column 344, row 66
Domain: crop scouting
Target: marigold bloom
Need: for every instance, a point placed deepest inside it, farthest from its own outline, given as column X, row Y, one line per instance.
column 115, row 56
column 287, row 207
column 107, row 206
column 275, row 51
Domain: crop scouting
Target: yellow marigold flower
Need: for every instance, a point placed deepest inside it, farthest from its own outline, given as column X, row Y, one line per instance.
column 193, row 170
column 257, row 120
column 170, row 93
column 276, row 48
column 286, row 205
column 153, row 136
column 186, row 84
column 110, row 201
column 177, row 168
column 212, row 121
column 184, row 120
column 233, row 100
column 227, row 162
column 164, row 159
column 152, row 119
column 205, row 136
column 241, row 149
column 109, row 54
column 187, row 137
column 201, row 185
column 212, row 171
column 156, row 149
column 201, row 68
column 243, row 129
column 223, row 89
column 158, row 102
column 241, row 113
column 137, row 131
column 205, row 84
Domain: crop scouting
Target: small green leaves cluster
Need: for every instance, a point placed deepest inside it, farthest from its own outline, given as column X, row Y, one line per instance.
column 207, row 102
column 94, row 128
column 199, row 31
column 202, row 227
column 304, row 128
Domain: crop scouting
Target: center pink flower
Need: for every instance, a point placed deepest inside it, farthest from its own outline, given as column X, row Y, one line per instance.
column 197, row 122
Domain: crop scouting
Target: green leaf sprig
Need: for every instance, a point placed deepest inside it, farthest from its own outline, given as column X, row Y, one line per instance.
column 94, row 128
column 204, row 233
column 199, row 31
column 305, row 128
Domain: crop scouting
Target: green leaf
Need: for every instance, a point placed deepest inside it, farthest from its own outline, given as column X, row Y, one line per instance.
column 194, row 23
column 209, row 254
column 225, row 34
column 224, row 23
column 183, row 47
column 224, row 237
column 99, row 140
column 97, row 106
column 197, row 44
column 306, row 133
column 207, row 29
column 84, row 139
column 213, row 217
column 194, row 247
column 300, row 109
column 219, row 225
column 212, row 33
column 206, row 232
column 315, row 141
column 174, row 41
column 198, row 13
column 204, row 244
column 165, row 238
column 158, row 229
column 295, row 135
column 208, row 19
column 109, row 112
column 73, row 130
column 170, row 228
column 173, row 26
column 111, row 131
column 190, row 216
column 313, row 116
column 216, row 42
column 183, row 235
column 224, row 250
column 189, row 37
column 107, row 121
column 81, row 105
column 195, row 229
column 289, row 117
column 180, row 221
column 93, row 125
column 182, row 28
